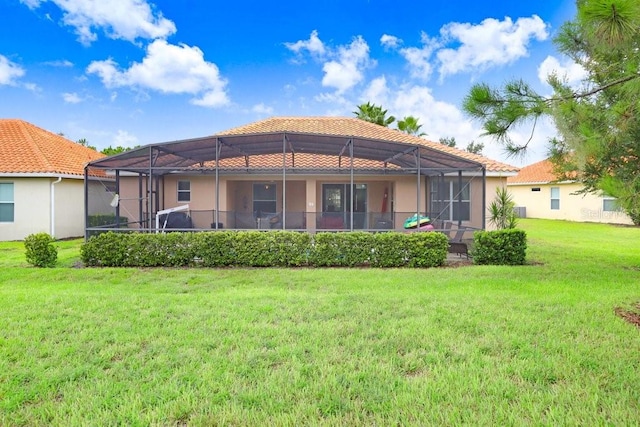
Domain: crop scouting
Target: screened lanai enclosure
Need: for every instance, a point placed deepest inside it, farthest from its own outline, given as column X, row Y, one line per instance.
column 282, row 180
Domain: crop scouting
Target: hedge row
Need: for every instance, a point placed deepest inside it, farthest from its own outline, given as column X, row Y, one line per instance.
column 99, row 220
column 265, row 249
column 500, row 247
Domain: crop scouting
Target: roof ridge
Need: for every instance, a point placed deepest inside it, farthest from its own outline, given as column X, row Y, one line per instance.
column 27, row 128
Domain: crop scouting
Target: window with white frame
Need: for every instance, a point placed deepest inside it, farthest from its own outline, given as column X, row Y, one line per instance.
column 450, row 199
column 6, row 202
column 555, row 198
column 184, row 191
column 609, row 204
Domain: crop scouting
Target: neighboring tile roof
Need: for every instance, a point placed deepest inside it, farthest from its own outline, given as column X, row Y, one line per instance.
column 28, row 149
column 350, row 126
column 537, row 173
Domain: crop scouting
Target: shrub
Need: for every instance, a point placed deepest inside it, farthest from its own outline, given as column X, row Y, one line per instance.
column 502, row 210
column 500, row 247
column 40, row 251
column 106, row 219
column 265, row 249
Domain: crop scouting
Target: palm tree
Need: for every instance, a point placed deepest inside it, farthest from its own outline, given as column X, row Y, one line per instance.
column 374, row 114
column 410, row 125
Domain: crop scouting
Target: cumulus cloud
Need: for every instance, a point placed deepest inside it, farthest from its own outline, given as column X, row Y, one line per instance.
column 418, row 59
column 10, row 72
column 342, row 66
column 377, row 91
column 568, row 71
column 346, row 70
column 390, row 42
column 168, row 68
column 119, row 19
column 71, row 98
column 313, row 46
column 491, row 43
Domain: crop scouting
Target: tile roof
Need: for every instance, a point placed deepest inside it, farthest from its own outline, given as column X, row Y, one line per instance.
column 536, row 173
column 351, row 126
column 28, row 149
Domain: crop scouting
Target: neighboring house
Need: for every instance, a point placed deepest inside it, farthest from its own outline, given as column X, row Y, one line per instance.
column 41, row 182
column 538, row 194
column 303, row 173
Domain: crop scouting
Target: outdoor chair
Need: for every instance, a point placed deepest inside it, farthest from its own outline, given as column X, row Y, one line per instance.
column 457, row 245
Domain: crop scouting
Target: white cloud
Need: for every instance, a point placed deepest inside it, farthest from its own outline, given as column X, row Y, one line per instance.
column 418, row 58
column 343, row 66
column 377, row 92
column 346, row 71
column 168, row 68
column 390, row 42
column 262, row 109
column 124, row 139
column 61, row 63
column 119, row 19
column 314, row 46
column 71, row 98
column 32, row 87
column 491, row 43
column 9, row 71
column 568, row 71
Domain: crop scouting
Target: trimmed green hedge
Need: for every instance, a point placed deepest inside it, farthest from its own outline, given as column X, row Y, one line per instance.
column 500, row 247
column 265, row 249
column 105, row 219
column 40, row 251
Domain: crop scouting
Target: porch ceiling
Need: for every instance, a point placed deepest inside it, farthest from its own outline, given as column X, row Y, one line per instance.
column 200, row 153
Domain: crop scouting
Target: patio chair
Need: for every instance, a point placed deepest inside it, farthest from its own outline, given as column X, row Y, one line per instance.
column 457, row 245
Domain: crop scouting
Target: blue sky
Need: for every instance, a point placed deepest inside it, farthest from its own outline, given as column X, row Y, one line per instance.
column 133, row 72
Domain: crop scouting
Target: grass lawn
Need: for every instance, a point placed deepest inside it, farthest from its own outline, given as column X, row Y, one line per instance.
column 531, row 345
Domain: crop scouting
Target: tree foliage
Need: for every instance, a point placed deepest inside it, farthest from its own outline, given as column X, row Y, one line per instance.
column 410, row 125
column 374, row 113
column 599, row 122
column 502, row 210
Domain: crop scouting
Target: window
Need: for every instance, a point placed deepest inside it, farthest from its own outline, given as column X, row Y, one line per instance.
column 264, row 199
column 184, row 191
column 6, row 202
column 609, row 204
column 452, row 201
column 555, row 198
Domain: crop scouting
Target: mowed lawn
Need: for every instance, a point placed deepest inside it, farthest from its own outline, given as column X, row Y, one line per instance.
column 530, row 345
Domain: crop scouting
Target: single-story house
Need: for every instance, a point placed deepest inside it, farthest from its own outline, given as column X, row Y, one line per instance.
column 538, row 194
column 41, row 182
column 299, row 173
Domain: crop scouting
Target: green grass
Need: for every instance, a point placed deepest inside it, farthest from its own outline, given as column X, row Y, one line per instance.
column 530, row 345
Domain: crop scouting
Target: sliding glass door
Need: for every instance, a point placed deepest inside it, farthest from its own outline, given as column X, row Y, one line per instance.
column 336, row 201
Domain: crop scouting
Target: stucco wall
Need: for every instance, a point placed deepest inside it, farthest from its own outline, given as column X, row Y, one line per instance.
column 32, row 208
column 304, row 194
column 573, row 207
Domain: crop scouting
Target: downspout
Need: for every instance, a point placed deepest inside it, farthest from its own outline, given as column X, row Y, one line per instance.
column 53, row 208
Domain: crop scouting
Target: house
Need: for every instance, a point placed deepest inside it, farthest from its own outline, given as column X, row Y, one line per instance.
column 302, row 173
column 41, row 182
column 538, row 194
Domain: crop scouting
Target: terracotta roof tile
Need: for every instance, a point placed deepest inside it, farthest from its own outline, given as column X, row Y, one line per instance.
column 536, row 173
column 350, row 126
column 28, row 149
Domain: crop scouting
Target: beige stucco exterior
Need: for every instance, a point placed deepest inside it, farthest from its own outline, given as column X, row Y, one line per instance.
column 34, row 198
column 536, row 199
column 304, row 197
